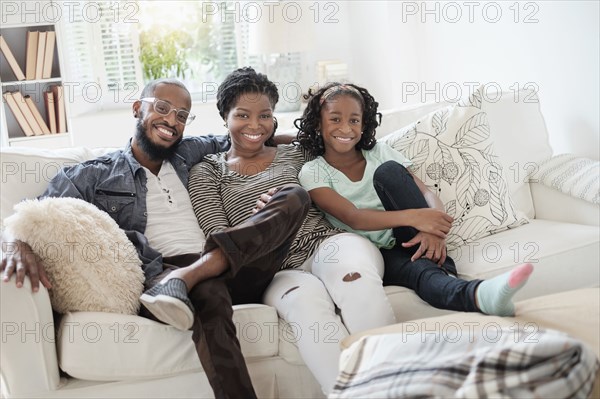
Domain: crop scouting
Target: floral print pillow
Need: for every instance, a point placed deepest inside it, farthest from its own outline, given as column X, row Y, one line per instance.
column 453, row 153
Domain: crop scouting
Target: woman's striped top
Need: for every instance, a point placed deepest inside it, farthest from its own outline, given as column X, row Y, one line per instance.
column 223, row 198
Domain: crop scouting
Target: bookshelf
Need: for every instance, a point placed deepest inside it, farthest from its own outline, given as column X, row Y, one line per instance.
column 42, row 78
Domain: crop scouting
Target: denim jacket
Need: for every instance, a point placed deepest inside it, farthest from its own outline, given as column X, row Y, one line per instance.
column 116, row 183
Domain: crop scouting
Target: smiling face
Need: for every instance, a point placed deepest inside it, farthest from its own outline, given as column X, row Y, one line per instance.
column 250, row 122
column 341, row 124
column 157, row 135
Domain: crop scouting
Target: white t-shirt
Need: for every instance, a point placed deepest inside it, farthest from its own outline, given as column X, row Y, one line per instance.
column 172, row 227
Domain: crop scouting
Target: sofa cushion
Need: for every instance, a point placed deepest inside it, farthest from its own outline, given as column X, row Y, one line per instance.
column 89, row 260
column 521, row 140
column 451, row 151
column 107, row 346
column 551, row 246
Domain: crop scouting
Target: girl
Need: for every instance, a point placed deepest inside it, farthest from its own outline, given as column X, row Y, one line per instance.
column 364, row 187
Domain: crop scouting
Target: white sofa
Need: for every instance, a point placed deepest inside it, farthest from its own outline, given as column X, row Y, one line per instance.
column 110, row 355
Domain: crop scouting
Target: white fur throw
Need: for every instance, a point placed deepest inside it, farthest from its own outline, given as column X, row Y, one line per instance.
column 90, row 262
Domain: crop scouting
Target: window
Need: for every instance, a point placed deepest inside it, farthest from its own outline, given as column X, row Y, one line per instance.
column 180, row 39
column 100, row 42
column 114, row 47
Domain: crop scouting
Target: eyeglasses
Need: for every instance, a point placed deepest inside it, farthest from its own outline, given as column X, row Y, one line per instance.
column 164, row 108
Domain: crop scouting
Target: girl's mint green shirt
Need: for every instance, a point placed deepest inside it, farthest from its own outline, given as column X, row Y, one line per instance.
column 318, row 173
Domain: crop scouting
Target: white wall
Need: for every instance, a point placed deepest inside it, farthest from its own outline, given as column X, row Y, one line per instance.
column 558, row 54
column 388, row 46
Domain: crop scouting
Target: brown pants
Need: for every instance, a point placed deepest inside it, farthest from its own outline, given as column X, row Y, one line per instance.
column 255, row 250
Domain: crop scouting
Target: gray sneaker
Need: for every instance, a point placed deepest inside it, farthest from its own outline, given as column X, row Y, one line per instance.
column 170, row 304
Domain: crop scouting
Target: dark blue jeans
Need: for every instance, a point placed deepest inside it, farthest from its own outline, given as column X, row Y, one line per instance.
column 436, row 285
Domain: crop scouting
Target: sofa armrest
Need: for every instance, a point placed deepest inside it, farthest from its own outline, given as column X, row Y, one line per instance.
column 566, row 188
column 28, row 360
column 553, row 205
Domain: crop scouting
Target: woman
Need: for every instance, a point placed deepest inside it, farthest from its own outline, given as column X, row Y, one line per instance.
column 324, row 267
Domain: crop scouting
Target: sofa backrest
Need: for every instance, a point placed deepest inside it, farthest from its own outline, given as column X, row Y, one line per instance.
column 517, row 127
column 26, row 172
column 516, row 123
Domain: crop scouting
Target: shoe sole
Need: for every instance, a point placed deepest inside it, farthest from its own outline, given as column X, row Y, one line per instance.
column 169, row 310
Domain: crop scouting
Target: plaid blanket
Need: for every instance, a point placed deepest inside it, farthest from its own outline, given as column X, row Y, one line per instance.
column 493, row 362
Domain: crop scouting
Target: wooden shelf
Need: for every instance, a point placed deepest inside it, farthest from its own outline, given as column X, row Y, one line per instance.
column 15, row 35
column 33, row 81
column 41, row 137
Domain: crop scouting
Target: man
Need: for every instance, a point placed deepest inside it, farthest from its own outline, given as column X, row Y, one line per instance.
column 143, row 188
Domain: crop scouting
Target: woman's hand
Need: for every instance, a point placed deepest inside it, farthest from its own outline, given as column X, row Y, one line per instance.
column 262, row 201
column 431, row 247
column 431, row 220
column 19, row 259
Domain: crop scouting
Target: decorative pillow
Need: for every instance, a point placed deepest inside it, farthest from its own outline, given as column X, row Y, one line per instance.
column 452, row 152
column 88, row 259
column 572, row 175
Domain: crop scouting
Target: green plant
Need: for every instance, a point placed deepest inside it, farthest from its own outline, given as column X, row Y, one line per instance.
column 164, row 54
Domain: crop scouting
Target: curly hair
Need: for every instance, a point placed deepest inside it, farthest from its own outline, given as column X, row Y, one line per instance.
column 245, row 81
column 308, row 125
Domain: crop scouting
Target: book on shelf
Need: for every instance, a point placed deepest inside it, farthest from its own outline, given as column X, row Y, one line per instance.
column 22, row 104
column 48, row 54
column 31, row 48
column 12, row 61
column 59, row 107
column 37, row 115
column 39, row 59
column 50, row 112
column 16, row 110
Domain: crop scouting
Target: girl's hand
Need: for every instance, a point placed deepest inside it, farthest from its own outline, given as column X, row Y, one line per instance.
column 431, row 247
column 432, row 221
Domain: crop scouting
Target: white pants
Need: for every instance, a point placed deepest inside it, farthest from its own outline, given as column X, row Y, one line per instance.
column 346, row 271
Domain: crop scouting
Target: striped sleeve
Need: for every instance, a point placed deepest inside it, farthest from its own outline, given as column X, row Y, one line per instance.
column 203, row 187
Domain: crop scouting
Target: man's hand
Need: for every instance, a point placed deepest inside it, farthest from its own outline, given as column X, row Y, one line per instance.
column 286, row 136
column 431, row 247
column 18, row 258
column 262, row 201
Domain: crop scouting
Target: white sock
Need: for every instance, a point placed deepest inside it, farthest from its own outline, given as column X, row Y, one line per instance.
column 494, row 296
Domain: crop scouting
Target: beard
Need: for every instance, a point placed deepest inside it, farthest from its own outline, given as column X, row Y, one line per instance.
column 154, row 152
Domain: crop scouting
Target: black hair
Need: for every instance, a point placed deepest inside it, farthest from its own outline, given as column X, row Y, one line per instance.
column 148, row 90
column 308, row 125
column 245, row 81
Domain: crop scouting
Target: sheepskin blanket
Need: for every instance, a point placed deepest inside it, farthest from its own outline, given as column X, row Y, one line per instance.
column 88, row 259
